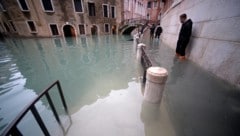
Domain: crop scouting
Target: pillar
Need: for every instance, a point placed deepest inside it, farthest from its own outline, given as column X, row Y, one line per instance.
column 156, row 79
column 139, row 50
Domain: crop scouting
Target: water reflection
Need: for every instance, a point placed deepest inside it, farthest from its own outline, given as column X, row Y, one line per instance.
column 84, row 42
column 71, row 41
column 156, row 120
column 86, row 71
column 57, row 42
column 114, row 115
column 177, row 71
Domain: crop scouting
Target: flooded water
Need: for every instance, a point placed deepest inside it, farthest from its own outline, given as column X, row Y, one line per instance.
column 198, row 103
column 101, row 77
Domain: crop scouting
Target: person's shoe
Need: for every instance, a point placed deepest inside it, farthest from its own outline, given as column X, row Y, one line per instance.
column 182, row 58
column 177, row 55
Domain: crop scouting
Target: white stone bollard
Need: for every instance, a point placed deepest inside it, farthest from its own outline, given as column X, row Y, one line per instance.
column 139, row 50
column 136, row 38
column 156, row 78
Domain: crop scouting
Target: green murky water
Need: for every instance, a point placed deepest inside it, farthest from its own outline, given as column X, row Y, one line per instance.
column 100, row 77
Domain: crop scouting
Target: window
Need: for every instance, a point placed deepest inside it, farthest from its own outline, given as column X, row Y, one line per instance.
column 78, row 5
column 2, row 6
column 113, row 12
column 105, row 10
column 155, row 4
column 54, row 29
column 47, row 5
column 148, row 16
column 91, row 9
column 81, row 29
column 13, row 26
column 23, row 5
column 6, row 27
column 161, row 4
column 129, row 5
column 149, row 5
column 31, row 26
column 106, row 28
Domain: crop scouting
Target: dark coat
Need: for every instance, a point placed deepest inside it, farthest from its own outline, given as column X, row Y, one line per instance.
column 152, row 29
column 184, row 37
column 185, row 33
column 159, row 30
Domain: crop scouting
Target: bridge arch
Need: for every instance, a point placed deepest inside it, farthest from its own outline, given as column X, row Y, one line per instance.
column 128, row 30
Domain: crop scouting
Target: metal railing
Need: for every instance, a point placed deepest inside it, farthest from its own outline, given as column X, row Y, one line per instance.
column 138, row 21
column 12, row 129
column 146, row 62
column 132, row 22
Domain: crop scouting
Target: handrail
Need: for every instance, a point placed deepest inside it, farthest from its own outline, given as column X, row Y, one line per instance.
column 135, row 21
column 138, row 20
column 146, row 62
column 12, row 127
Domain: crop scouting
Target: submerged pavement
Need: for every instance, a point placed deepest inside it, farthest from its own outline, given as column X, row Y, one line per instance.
column 195, row 102
column 105, row 92
column 198, row 103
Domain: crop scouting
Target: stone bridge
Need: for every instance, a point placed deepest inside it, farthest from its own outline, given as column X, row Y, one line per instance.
column 128, row 25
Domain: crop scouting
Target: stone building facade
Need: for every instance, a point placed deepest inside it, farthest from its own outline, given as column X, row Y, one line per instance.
column 215, row 41
column 153, row 10
column 50, row 18
column 133, row 9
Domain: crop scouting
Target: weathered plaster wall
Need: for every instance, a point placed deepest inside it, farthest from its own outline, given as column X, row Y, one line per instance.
column 63, row 13
column 215, row 42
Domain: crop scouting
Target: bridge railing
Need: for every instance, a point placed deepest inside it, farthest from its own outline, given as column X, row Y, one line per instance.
column 135, row 21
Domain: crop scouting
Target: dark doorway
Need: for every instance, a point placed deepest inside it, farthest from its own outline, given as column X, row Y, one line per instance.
column 94, row 30
column 81, row 29
column 69, row 31
column 114, row 29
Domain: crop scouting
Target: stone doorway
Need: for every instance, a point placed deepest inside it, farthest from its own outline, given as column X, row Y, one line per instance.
column 94, row 30
column 114, row 29
column 69, row 31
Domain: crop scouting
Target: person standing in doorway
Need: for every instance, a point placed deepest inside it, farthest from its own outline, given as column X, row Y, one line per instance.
column 152, row 29
column 184, row 36
column 158, row 31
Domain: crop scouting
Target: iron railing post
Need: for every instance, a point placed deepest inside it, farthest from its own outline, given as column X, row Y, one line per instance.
column 15, row 132
column 39, row 120
column 63, row 100
column 54, row 111
column 146, row 63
